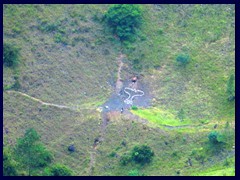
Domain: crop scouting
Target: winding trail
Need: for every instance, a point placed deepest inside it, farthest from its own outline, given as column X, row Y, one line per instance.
column 44, row 103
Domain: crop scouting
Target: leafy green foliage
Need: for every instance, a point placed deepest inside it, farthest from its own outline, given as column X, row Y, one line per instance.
column 31, row 152
column 231, row 88
column 10, row 55
column 9, row 165
column 60, row 38
column 142, row 154
column 124, row 19
column 134, row 172
column 58, row 170
column 213, row 137
column 125, row 159
column 183, row 59
column 134, row 108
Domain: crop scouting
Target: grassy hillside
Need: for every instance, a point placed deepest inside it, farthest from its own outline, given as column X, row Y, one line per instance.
column 208, row 36
column 69, row 57
column 62, row 49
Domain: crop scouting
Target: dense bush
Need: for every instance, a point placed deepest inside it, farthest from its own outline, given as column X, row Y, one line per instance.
column 9, row 165
column 124, row 19
column 216, row 138
column 231, row 88
column 142, row 154
column 31, row 152
column 134, row 108
column 10, row 55
column 58, row 170
column 183, row 59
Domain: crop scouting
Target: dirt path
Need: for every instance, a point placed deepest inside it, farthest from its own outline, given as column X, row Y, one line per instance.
column 104, row 116
column 119, row 83
column 40, row 101
column 74, row 108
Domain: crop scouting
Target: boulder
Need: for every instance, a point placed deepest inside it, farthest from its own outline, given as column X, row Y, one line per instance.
column 71, row 148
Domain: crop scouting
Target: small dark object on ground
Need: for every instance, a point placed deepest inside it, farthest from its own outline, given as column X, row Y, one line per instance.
column 134, row 79
column 215, row 126
column 121, row 110
column 71, row 148
column 124, row 143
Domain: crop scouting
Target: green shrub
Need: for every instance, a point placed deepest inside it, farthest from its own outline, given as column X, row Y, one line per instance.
column 9, row 165
column 183, row 59
column 48, row 27
column 134, row 172
column 216, row 138
column 134, row 108
column 112, row 154
column 231, row 88
column 58, row 170
column 125, row 159
column 59, row 38
column 123, row 20
column 213, row 137
column 10, row 55
column 142, row 154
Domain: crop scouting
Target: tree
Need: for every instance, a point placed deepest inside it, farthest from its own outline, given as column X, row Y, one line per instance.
column 58, row 170
column 10, row 55
column 231, row 88
column 124, row 19
column 142, row 154
column 9, row 165
column 31, row 152
column 183, row 59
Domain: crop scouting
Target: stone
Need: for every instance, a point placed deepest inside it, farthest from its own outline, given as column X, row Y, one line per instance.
column 71, row 148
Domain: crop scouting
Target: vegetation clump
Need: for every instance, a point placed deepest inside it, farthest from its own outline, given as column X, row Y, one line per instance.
column 183, row 59
column 134, row 108
column 231, row 88
column 30, row 152
column 10, row 55
column 124, row 19
column 9, row 165
column 141, row 154
column 58, row 170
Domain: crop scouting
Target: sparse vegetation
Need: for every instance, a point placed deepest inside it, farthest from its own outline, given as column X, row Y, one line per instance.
column 231, row 88
column 181, row 115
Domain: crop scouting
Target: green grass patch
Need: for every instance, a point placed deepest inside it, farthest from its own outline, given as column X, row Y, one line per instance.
column 219, row 172
column 161, row 117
